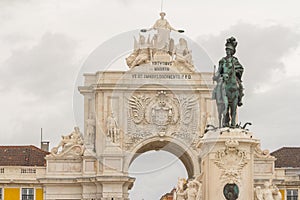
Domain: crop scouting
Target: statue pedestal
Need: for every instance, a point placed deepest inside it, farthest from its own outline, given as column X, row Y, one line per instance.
column 228, row 159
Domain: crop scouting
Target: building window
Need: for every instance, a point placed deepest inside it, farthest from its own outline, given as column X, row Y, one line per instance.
column 291, row 194
column 28, row 171
column 27, row 194
column 1, row 194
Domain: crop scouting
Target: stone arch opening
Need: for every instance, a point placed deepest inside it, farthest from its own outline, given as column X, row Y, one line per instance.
column 155, row 174
column 183, row 152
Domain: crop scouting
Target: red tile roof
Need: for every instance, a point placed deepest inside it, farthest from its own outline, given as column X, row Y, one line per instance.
column 287, row 157
column 168, row 196
column 22, row 156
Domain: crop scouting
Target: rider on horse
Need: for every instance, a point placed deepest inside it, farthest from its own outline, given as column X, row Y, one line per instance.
column 229, row 70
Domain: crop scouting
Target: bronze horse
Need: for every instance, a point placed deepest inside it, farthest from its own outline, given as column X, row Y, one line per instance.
column 229, row 90
column 226, row 94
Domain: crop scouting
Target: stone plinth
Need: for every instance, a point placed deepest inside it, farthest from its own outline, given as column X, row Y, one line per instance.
column 227, row 158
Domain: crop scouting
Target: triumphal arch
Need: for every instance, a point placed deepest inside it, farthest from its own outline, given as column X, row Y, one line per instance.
column 161, row 102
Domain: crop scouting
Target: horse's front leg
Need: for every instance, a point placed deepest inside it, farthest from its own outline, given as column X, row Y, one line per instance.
column 225, row 114
column 233, row 107
column 220, row 116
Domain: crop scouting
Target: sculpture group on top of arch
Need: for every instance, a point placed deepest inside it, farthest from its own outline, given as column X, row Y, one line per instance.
column 160, row 47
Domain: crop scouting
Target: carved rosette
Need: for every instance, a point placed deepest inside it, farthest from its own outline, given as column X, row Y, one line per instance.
column 231, row 161
column 161, row 114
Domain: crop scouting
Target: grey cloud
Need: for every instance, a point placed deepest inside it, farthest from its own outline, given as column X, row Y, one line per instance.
column 37, row 83
column 275, row 114
column 45, row 70
column 260, row 50
column 15, row 38
column 56, row 119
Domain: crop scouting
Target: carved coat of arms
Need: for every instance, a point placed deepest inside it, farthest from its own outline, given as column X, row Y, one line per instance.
column 163, row 114
column 231, row 161
column 161, row 111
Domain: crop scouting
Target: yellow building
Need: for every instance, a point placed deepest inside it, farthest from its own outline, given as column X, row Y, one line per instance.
column 20, row 169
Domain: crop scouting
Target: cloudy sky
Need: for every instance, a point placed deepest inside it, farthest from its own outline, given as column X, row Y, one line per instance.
column 43, row 45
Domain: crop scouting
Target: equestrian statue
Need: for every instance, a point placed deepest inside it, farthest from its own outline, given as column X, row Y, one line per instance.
column 228, row 92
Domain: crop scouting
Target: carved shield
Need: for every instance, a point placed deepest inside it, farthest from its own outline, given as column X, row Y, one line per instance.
column 160, row 117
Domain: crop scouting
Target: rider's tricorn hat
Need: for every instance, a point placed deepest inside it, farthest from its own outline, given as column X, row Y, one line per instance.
column 231, row 43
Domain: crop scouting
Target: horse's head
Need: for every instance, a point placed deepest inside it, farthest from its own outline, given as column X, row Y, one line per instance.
column 230, row 80
column 225, row 77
